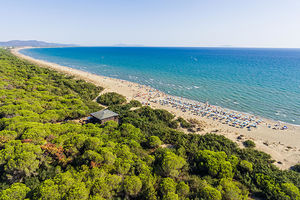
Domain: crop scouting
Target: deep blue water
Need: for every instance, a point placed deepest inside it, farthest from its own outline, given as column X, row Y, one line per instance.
column 265, row 82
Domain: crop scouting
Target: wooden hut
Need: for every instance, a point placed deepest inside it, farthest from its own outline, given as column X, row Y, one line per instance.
column 103, row 116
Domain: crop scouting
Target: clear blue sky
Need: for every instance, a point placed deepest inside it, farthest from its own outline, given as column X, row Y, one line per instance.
column 245, row 23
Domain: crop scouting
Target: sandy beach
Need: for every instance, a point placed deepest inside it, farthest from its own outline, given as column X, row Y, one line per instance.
column 282, row 145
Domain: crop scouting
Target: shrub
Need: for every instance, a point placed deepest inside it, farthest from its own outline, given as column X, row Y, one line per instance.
column 291, row 190
column 184, row 123
column 182, row 189
column 232, row 190
column 135, row 103
column 246, row 166
column 132, row 185
column 173, row 124
column 16, row 191
column 154, row 142
column 172, row 164
column 111, row 98
column 215, row 164
column 249, row 144
column 210, row 193
column 296, row 168
column 168, row 185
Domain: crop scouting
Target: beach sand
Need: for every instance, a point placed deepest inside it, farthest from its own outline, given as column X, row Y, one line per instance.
column 282, row 145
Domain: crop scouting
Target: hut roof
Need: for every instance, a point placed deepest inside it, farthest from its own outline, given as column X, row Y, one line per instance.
column 104, row 114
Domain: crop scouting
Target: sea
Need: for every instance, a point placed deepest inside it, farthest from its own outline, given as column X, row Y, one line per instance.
column 260, row 81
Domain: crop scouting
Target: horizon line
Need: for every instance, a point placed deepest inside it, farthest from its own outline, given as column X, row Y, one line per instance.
column 249, row 47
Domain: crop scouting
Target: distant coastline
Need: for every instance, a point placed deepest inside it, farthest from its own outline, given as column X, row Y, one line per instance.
column 33, row 43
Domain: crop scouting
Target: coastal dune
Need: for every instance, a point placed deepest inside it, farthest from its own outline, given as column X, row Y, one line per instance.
column 282, row 145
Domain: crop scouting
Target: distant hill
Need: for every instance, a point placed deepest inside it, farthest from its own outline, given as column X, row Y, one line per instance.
column 32, row 43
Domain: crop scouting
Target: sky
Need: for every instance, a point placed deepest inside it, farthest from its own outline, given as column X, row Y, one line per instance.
column 237, row 23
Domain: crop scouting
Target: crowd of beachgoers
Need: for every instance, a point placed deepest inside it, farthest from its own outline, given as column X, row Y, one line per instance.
column 216, row 113
column 224, row 116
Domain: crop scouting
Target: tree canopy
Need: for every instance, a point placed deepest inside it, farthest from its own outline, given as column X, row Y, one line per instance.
column 112, row 98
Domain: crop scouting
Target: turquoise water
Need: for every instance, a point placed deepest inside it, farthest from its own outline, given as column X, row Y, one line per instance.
column 264, row 82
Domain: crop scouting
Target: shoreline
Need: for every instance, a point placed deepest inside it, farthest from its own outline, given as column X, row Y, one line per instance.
column 267, row 119
column 282, row 145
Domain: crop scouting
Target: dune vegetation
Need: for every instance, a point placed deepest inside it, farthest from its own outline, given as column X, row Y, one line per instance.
column 46, row 154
